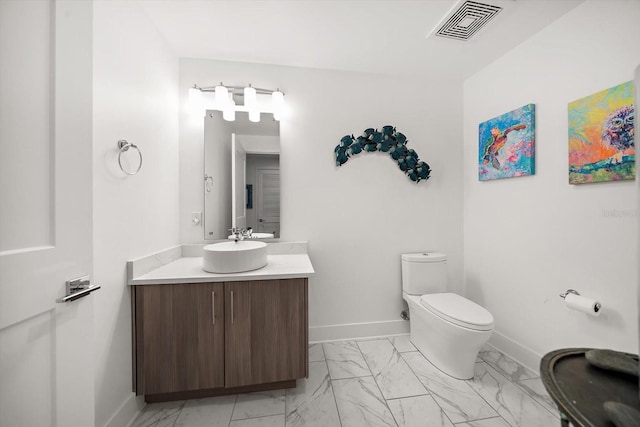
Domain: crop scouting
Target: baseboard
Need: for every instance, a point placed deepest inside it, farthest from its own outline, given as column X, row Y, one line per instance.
column 518, row 352
column 358, row 330
column 127, row 413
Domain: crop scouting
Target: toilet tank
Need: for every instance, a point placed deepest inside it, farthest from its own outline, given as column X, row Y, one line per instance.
column 424, row 273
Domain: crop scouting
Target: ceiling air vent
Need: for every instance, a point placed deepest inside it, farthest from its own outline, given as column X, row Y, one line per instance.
column 466, row 20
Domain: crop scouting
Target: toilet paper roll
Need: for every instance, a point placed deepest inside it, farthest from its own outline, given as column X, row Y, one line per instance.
column 583, row 304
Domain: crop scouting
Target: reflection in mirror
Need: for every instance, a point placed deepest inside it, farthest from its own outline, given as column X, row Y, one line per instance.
column 242, row 175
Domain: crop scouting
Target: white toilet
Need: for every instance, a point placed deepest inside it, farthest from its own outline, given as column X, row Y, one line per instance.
column 447, row 328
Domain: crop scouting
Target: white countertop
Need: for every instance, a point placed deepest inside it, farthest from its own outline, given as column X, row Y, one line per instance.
column 189, row 270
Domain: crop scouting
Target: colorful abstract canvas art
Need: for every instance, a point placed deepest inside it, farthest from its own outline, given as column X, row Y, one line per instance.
column 506, row 145
column 601, row 136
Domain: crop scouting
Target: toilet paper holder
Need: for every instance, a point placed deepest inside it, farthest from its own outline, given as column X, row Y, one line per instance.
column 569, row 291
column 573, row 291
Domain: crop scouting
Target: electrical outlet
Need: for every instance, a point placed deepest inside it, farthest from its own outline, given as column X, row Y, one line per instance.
column 196, row 218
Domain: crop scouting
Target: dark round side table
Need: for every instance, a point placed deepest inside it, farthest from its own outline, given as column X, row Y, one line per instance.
column 579, row 389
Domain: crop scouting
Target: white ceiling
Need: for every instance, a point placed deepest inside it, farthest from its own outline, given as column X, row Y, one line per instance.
column 377, row 36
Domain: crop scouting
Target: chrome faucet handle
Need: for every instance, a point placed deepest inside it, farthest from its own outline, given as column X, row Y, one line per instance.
column 237, row 232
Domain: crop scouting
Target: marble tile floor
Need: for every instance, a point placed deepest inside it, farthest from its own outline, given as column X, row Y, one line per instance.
column 376, row 382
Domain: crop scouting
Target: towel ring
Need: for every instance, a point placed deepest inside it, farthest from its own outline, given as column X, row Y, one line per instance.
column 124, row 145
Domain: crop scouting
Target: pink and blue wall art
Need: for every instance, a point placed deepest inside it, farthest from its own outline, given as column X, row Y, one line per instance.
column 601, row 136
column 506, row 145
column 387, row 141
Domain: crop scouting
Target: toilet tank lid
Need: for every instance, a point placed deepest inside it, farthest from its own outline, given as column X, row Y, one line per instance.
column 424, row 257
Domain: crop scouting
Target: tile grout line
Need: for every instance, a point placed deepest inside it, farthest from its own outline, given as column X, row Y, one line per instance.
column 517, row 385
column 408, row 397
column 524, row 390
column 335, row 401
column 235, row 401
column 482, row 419
column 496, row 366
column 179, row 413
column 284, row 420
column 347, row 360
column 412, row 371
column 481, row 397
column 376, row 382
column 500, row 391
column 257, row 417
column 324, row 356
column 430, row 393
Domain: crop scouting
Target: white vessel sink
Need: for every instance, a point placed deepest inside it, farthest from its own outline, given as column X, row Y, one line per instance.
column 234, row 257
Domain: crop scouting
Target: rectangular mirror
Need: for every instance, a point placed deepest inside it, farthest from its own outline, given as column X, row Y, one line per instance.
column 242, row 175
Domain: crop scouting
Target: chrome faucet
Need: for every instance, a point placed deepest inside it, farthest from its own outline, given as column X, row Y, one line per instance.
column 238, row 233
column 241, row 233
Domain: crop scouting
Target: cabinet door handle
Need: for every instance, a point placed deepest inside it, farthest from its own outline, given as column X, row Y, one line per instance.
column 213, row 307
column 231, row 307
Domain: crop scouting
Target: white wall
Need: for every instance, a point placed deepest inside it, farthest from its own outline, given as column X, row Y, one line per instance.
column 528, row 239
column 358, row 218
column 135, row 98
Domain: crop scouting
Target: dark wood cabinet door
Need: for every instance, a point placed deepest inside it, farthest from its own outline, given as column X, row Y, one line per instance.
column 266, row 331
column 179, row 337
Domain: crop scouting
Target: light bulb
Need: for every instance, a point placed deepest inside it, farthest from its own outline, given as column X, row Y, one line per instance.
column 277, row 98
column 221, row 97
column 254, row 115
column 229, row 112
column 277, row 104
column 208, row 100
column 250, row 100
column 196, row 102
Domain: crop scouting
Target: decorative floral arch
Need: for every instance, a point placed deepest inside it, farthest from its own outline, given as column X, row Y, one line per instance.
column 387, row 141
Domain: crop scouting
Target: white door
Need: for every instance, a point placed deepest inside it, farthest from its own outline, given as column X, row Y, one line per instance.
column 268, row 201
column 46, row 368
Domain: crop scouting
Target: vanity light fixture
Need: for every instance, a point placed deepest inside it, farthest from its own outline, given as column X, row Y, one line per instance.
column 221, row 96
column 277, row 101
column 230, row 99
column 196, row 102
column 250, row 97
column 254, row 115
column 229, row 111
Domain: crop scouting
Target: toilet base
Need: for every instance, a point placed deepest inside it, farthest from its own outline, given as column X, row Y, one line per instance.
column 450, row 348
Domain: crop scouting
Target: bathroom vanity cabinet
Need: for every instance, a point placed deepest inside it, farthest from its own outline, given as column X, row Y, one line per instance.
column 205, row 339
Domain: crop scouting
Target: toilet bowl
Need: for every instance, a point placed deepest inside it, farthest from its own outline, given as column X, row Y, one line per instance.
column 446, row 328
column 450, row 344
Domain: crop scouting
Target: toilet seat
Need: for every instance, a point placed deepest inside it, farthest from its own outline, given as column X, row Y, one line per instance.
column 458, row 310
